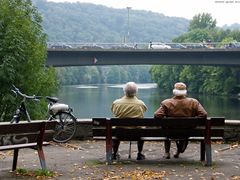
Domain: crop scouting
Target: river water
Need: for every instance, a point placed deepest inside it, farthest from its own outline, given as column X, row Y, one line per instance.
column 90, row 101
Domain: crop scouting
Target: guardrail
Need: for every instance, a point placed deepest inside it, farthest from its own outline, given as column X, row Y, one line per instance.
column 150, row 45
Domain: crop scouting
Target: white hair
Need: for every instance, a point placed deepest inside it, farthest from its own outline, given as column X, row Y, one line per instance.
column 130, row 89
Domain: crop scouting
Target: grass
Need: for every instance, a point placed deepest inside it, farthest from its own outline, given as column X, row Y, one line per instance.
column 39, row 173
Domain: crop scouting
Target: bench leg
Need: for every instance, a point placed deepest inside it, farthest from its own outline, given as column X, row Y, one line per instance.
column 202, row 151
column 109, row 154
column 109, row 150
column 207, row 141
column 108, row 142
column 15, row 158
column 208, row 154
column 42, row 158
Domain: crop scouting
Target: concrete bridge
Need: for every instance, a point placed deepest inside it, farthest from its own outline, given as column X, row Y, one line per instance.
column 81, row 57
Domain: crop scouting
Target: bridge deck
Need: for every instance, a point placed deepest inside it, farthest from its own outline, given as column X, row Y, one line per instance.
column 79, row 57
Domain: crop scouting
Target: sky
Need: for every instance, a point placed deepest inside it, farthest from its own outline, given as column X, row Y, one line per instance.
column 224, row 11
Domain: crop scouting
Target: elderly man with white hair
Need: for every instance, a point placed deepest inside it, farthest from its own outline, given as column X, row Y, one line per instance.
column 179, row 106
column 129, row 106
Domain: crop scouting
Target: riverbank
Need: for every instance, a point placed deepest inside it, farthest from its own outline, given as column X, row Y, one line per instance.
column 84, row 160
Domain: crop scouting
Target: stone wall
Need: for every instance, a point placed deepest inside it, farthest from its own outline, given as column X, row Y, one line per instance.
column 232, row 130
column 84, row 129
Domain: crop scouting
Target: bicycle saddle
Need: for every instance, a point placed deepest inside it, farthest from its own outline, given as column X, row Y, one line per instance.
column 52, row 99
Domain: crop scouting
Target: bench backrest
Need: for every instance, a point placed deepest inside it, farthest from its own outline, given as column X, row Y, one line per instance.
column 22, row 133
column 174, row 127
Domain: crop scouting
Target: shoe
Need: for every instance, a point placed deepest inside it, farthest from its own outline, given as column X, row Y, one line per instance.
column 140, row 156
column 166, row 156
column 115, row 156
column 176, row 155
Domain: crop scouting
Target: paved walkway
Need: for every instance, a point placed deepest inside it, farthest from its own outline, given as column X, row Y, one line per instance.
column 86, row 160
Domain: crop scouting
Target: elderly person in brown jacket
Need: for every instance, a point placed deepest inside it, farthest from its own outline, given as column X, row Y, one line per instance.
column 179, row 106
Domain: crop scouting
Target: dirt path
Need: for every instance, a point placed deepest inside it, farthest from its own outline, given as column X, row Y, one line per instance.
column 86, row 160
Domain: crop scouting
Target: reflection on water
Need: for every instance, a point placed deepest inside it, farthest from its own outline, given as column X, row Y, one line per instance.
column 85, row 87
column 140, row 86
column 95, row 100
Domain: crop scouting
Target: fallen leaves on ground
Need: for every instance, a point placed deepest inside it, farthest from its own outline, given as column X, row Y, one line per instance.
column 68, row 145
column 6, row 153
column 136, row 175
column 230, row 147
column 235, row 177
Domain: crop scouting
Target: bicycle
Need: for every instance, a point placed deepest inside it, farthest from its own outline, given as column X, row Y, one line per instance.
column 62, row 113
column 67, row 122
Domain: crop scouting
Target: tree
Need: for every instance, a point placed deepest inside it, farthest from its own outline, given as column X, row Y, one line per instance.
column 22, row 56
column 166, row 75
column 202, row 79
column 196, row 35
column 202, row 21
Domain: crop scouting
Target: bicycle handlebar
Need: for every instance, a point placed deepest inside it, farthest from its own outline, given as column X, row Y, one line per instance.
column 33, row 97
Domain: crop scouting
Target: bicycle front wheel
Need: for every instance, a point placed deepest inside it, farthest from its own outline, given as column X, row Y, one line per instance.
column 65, row 128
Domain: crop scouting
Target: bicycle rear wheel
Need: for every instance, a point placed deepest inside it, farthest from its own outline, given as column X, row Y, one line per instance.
column 65, row 128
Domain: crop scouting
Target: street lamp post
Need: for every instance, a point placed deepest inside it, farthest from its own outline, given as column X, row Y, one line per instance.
column 128, row 33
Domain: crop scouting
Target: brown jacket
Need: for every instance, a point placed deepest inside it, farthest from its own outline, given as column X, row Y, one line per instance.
column 180, row 106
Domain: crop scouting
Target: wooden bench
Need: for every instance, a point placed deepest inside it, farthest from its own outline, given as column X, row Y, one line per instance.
column 196, row 129
column 26, row 135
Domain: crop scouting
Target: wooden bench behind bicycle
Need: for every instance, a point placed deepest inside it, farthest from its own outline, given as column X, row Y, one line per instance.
column 196, row 129
column 26, row 135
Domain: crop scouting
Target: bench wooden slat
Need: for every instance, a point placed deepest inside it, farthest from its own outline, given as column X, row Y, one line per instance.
column 24, row 127
column 167, row 121
column 135, row 133
column 18, row 146
column 145, row 121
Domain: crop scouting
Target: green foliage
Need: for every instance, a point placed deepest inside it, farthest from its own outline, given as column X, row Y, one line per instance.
column 84, row 22
column 202, row 79
column 193, row 77
column 196, row 36
column 199, row 79
column 38, row 174
column 22, row 171
column 165, row 75
column 104, row 74
column 44, row 173
column 202, row 21
column 22, row 55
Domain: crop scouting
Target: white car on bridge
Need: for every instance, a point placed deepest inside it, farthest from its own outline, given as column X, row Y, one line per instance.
column 158, row 45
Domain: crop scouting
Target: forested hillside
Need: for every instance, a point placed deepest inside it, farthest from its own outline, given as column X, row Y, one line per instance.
column 83, row 22
column 89, row 23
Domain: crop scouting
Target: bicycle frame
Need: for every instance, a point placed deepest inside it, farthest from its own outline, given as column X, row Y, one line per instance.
column 22, row 110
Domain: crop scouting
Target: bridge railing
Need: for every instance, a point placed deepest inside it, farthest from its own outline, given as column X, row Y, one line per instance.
column 140, row 45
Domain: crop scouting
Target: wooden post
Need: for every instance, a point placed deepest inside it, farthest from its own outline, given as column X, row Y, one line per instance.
column 39, row 146
column 207, row 141
column 202, row 151
column 15, row 158
column 108, row 141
